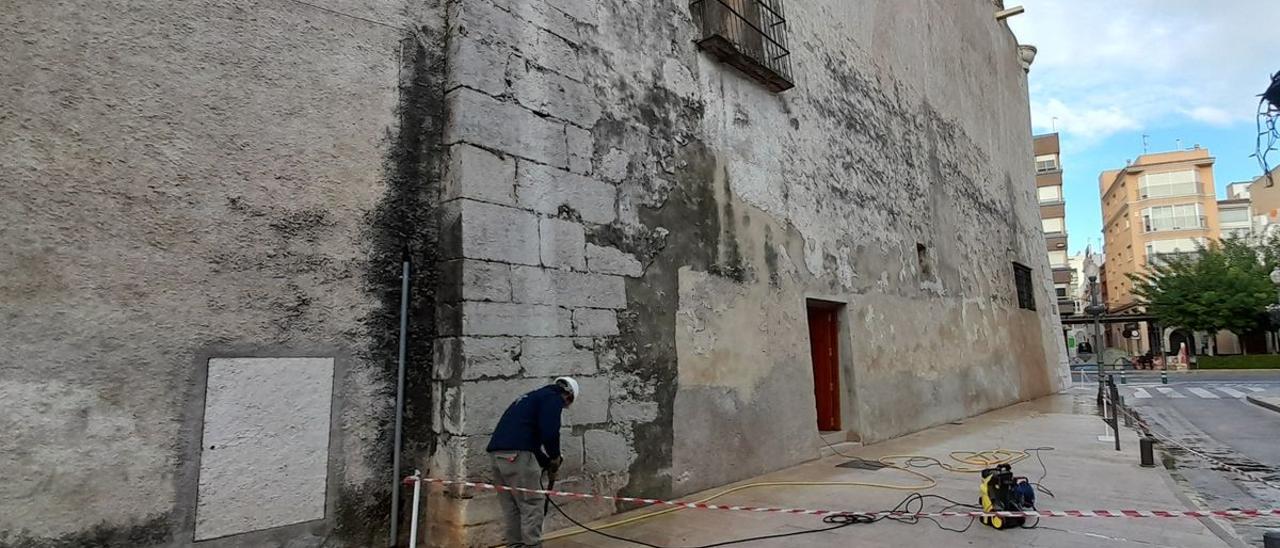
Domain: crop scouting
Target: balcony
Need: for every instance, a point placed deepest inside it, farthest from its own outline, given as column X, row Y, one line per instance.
column 1157, row 258
column 1188, row 222
column 750, row 35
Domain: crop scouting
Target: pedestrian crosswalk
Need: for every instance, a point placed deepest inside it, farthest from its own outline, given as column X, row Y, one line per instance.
column 1206, row 392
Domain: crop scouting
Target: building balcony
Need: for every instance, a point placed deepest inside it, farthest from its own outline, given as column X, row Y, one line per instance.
column 749, row 35
column 1049, row 178
column 1052, row 211
column 1175, row 223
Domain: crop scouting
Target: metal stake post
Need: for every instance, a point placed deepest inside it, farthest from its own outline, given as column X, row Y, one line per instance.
column 1115, row 410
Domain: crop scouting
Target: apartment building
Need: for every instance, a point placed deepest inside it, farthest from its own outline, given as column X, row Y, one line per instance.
column 1235, row 217
column 1264, row 198
column 1161, row 203
column 1053, row 217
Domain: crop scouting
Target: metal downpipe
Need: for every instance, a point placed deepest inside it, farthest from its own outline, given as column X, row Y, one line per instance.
column 395, row 450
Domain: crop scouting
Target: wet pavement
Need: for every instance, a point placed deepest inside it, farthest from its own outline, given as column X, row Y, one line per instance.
column 1082, row 472
column 1210, row 414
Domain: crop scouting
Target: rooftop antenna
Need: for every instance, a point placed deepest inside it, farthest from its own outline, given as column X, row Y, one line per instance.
column 1144, row 143
column 1054, row 124
column 1179, row 143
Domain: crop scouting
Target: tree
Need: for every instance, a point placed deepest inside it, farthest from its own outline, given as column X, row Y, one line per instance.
column 1224, row 285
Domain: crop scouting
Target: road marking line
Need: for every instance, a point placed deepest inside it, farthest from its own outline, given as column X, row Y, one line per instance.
column 1142, row 393
column 1170, row 392
column 1203, row 393
column 1232, row 392
column 1254, row 388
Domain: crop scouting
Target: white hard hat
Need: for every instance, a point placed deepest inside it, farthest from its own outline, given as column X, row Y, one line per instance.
column 570, row 384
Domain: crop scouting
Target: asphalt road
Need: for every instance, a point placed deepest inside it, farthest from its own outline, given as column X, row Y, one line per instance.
column 1207, row 412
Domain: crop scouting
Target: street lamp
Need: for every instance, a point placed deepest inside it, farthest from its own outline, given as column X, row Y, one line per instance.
column 1096, row 309
column 1274, row 310
column 1275, row 279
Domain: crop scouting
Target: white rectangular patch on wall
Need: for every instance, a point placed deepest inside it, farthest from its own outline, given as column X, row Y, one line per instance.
column 265, row 451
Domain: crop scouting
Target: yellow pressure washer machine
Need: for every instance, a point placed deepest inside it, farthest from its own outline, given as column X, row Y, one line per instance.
column 1001, row 491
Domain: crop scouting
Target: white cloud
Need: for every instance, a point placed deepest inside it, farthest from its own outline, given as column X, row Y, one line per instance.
column 1211, row 115
column 1087, row 123
column 1105, row 67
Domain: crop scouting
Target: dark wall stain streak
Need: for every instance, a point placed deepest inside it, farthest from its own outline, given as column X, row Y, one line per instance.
column 403, row 225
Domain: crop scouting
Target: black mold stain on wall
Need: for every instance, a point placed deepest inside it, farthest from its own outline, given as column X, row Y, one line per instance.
column 403, row 226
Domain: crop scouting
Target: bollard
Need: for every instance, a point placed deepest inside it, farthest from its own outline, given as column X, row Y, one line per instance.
column 1146, row 451
column 1164, row 377
column 1271, row 539
column 1114, row 394
column 1123, row 380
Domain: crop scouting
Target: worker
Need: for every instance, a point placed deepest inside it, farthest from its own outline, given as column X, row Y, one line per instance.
column 526, row 442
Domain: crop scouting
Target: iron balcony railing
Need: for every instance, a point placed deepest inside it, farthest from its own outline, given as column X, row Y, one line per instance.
column 750, row 35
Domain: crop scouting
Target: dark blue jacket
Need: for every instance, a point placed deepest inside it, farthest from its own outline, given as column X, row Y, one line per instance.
column 531, row 423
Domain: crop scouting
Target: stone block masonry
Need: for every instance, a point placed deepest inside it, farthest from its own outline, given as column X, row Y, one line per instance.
column 591, row 322
column 482, row 120
column 550, row 357
column 512, row 319
column 531, row 299
column 478, row 230
column 480, row 175
column 563, row 244
column 568, row 289
column 553, row 191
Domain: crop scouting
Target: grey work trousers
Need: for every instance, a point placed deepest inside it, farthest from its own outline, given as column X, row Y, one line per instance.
column 523, row 511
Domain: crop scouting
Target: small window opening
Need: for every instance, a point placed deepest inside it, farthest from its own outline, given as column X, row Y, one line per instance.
column 922, row 257
column 1022, row 283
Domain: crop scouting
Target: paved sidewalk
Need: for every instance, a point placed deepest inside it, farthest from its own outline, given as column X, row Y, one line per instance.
column 1269, row 399
column 1083, row 472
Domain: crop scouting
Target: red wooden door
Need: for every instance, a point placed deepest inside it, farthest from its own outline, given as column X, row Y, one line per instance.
column 824, row 347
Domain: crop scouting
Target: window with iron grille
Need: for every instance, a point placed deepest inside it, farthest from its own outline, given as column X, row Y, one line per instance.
column 750, row 35
column 1022, row 279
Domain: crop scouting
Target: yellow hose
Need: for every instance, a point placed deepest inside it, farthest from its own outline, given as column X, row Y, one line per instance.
column 976, row 460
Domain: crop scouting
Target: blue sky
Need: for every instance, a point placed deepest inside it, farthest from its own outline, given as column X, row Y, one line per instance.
column 1109, row 72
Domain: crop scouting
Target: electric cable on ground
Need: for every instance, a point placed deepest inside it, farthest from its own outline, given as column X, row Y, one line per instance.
column 986, row 458
column 839, row 521
column 931, row 483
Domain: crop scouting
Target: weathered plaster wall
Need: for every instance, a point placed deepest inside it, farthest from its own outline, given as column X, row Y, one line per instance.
column 603, row 168
column 195, row 180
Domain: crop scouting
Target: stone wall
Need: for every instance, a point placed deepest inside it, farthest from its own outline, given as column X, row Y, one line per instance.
column 213, row 202
column 202, row 219
column 624, row 208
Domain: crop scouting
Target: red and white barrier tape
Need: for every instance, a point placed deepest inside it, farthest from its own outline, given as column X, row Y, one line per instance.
column 803, row 511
